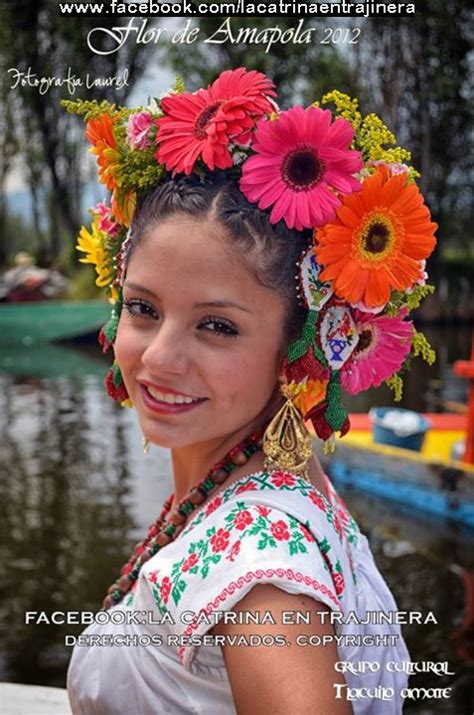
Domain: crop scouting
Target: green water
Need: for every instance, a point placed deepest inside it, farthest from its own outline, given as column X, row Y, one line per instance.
column 78, row 492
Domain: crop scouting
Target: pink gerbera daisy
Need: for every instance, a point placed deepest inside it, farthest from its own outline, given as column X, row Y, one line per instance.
column 201, row 125
column 302, row 162
column 384, row 343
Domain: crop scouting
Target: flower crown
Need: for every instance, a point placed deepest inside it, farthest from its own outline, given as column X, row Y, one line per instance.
column 324, row 169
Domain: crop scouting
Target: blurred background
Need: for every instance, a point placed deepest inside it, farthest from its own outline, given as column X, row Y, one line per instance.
column 77, row 490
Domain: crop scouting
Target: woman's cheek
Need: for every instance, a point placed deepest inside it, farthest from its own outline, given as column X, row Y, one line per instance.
column 126, row 348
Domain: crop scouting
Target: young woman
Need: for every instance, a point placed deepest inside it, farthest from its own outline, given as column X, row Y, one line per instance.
column 253, row 590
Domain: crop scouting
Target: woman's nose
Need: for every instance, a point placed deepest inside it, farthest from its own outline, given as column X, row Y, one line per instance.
column 166, row 352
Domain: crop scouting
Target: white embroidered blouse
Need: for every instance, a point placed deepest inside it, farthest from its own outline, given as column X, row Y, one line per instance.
column 264, row 528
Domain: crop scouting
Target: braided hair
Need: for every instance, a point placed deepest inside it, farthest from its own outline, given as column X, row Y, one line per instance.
column 268, row 251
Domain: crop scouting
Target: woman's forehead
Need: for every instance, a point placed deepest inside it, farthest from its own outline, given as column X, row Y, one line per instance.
column 192, row 257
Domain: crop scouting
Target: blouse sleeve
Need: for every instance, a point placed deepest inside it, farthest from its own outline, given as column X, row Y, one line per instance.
column 234, row 548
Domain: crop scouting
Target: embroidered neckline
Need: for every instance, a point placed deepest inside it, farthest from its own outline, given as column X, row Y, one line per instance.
column 300, row 483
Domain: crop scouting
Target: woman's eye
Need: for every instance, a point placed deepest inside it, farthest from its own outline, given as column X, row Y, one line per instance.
column 139, row 308
column 220, row 327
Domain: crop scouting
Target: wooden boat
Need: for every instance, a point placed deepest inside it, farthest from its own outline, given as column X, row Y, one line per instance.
column 46, row 360
column 428, row 480
column 51, row 320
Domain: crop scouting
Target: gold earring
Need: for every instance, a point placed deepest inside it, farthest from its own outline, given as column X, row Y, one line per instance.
column 287, row 443
column 146, row 445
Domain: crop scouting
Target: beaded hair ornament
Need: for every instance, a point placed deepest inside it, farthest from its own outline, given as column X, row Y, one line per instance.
column 323, row 169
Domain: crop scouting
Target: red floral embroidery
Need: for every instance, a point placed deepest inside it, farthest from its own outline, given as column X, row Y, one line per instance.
column 307, row 534
column 139, row 550
column 338, row 581
column 282, row 479
column 234, row 551
column 318, row 501
column 165, row 589
column 213, row 505
column 263, row 510
column 280, row 531
column 190, row 562
column 242, row 519
column 249, row 487
column 153, row 576
column 338, row 525
column 220, row 540
column 126, row 569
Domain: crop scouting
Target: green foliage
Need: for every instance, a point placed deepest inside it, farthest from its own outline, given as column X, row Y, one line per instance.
column 411, row 300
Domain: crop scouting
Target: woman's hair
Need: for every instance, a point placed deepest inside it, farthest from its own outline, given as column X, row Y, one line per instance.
column 269, row 251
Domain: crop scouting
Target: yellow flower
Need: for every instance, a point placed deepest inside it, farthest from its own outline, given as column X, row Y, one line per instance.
column 92, row 243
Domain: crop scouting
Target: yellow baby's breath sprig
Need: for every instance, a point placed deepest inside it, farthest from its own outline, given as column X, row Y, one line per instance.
column 421, row 346
column 395, row 383
column 372, row 137
column 345, row 106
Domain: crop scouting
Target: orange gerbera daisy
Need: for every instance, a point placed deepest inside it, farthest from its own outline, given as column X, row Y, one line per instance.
column 100, row 133
column 377, row 241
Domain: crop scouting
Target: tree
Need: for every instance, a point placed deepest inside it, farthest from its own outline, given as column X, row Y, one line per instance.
column 417, row 75
column 33, row 35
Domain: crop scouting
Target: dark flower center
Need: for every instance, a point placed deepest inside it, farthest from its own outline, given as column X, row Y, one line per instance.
column 302, row 169
column 204, row 118
column 376, row 238
column 365, row 339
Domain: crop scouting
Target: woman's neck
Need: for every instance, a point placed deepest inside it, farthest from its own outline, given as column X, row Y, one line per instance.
column 191, row 464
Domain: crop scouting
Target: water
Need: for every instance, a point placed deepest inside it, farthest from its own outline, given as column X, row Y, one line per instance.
column 78, row 492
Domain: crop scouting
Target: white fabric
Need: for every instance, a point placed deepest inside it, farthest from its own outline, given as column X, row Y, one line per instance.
column 253, row 532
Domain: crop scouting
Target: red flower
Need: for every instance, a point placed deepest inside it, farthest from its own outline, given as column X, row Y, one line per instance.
column 116, row 392
column 126, row 569
column 307, row 534
column 282, row 479
column 139, row 549
column 190, row 562
column 249, row 487
column 338, row 581
column 201, row 125
column 234, row 551
column 242, row 519
column 280, row 530
column 165, row 589
column 263, row 510
column 318, row 501
column 153, row 576
column 220, row 540
column 212, row 506
column 103, row 342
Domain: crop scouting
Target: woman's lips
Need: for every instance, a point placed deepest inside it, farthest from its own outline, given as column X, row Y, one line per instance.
column 166, row 407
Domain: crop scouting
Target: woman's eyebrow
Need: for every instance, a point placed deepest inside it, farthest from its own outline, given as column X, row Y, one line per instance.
column 207, row 304
column 222, row 304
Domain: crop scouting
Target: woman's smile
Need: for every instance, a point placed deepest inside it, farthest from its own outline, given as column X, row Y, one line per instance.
column 165, row 401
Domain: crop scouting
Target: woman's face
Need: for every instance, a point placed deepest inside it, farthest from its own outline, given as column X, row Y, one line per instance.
column 199, row 340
